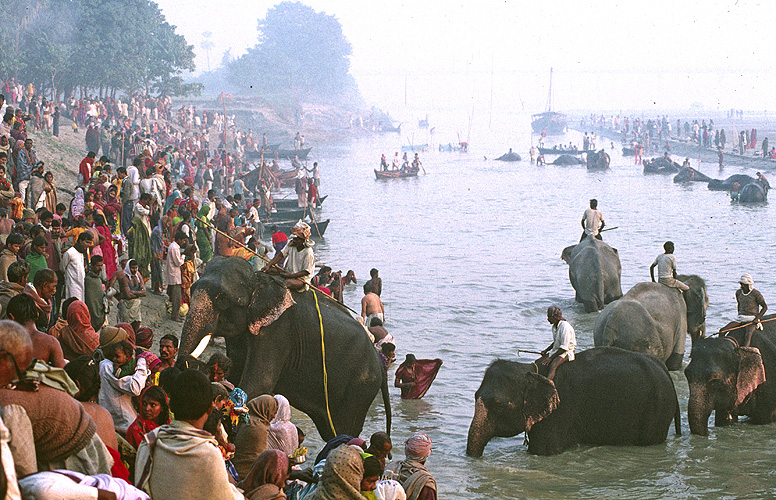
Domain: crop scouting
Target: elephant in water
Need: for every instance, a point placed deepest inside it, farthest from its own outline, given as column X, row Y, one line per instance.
column 655, row 319
column 732, row 380
column 594, row 272
column 661, row 166
column 606, row 396
column 689, row 174
column 275, row 341
column 567, row 160
column 754, row 192
column 598, row 160
column 727, row 184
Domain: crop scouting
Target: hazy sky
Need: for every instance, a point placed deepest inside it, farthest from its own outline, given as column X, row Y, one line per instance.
column 606, row 54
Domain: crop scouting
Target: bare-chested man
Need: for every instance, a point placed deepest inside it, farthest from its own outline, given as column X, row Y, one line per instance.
column 46, row 348
column 371, row 306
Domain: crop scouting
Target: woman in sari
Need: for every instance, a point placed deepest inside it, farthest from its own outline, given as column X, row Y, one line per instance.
column 204, row 235
column 51, row 193
column 267, row 477
column 78, row 203
column 108, row 251
column 112, row 206
column 78, row 338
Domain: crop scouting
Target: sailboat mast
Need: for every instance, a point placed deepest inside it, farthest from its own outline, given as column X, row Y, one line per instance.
column 549, row 96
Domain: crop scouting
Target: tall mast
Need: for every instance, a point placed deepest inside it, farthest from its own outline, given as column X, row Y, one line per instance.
column 549, row 96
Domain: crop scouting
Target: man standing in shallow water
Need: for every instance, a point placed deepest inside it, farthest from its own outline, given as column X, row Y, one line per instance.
column 371, row 306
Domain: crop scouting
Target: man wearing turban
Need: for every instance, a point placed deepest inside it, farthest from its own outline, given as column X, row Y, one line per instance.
column 411, row 472
column 751, row 308
column 299, row 259
column 564, row 341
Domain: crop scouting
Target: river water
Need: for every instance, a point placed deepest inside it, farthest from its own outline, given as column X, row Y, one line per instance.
column 469, row 255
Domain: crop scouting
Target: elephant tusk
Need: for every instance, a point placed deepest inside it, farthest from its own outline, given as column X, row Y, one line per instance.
column 201, row 346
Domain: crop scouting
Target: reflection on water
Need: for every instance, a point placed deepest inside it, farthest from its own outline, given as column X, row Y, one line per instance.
column 470, row 259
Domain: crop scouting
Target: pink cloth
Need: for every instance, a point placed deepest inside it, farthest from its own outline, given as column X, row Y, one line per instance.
column 108, row 251
column 417, row 446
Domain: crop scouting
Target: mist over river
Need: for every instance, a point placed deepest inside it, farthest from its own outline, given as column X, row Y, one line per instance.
column 469, row 255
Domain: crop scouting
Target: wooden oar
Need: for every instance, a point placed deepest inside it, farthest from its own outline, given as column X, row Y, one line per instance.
column 609, row 229
column 529, row 352
column 740, row 326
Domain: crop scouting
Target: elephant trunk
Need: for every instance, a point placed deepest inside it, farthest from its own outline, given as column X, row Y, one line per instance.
column 699, row 408
column 200, row 321
column 481, row 430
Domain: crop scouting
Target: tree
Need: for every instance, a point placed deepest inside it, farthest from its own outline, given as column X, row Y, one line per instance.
column 298, row 48
column 206, row 44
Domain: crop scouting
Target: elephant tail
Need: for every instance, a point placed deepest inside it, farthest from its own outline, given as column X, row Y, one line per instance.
column 386, row 402
column 677, row 417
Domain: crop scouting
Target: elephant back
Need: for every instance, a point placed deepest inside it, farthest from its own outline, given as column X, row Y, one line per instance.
column 752, row 193
column 628, row 324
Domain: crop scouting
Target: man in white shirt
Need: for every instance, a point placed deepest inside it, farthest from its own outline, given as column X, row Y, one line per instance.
column 73, row 265
column 564, row 341
column 172, row 273
column 299, row 266
column 133, row 174
column 592, row 221
column 253, row 216
column 666, row 268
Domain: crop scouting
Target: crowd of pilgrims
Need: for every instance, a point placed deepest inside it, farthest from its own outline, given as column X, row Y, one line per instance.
column 650, row 133
column 87, row 406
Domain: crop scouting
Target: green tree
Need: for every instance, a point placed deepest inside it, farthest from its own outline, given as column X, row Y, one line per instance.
column 298, row 49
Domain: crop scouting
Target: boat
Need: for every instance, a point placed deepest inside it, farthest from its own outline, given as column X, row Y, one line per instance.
column 396, row 174
column 557, row 151
column 450, row 147
column 415, row 147
column 287, row 154
column 550, row 122
column 383, row 128
column 292, row 203
column 423, row 123
column 317, row 229
column 269, row 152
column 289, row 214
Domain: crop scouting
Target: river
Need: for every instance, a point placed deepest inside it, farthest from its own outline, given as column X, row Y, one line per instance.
column 469, row 255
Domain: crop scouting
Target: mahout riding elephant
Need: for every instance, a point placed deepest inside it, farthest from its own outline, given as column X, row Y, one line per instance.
column 655, row 319
column 727, row 184
column 594, row 272
column 275, row 341
column 567, row 160
column 732, row 380
column 689, row 174
column 661, row 165
column 754, row 192
column 598, row 160
column 606, row 396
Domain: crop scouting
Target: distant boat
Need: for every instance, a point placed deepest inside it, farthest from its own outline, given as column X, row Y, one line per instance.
column 289, row 154
column 423, row 123
column 557, row 151
column 550, row 122
column 382, row 127
column 317, row 229
column 415, row 147
column 396, row 174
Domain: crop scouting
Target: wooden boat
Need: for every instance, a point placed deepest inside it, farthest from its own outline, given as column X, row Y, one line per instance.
column 316, row 229
column 287, row 154
column 396, row 174
column 291, row 203
column 415, row 147
column 269, row 152
column 549, row 122
column 556, row 151
column 450, row 147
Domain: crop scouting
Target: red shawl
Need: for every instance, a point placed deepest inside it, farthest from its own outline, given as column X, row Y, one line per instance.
column 423, row 374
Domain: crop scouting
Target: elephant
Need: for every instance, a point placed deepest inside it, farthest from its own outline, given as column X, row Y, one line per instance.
column 660, row 165
column 598, row 160
column 275, row 341
column 606, row 396
column 594, row 272
column 655, row 319
column 754, row 192
column 689, row 174
column 732, row 380
column 567, row 160
column 727, row 184
column 510, row 156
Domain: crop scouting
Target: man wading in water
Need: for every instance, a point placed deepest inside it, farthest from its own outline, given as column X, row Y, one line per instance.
column 564, row 341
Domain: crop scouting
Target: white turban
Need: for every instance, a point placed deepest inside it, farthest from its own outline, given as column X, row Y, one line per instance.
column 390, row 490
column 746, row 279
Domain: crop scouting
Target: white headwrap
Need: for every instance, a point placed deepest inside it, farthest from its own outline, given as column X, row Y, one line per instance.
column 282, row 435
column 390, row 490
column 746, row 279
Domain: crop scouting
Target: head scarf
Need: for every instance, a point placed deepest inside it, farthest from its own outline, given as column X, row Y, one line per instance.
column 252, row 436
column 390, row 490
column 282, row 433
column 263, row 408
column 302, row 230
column 144, row 337
column 746, row 279
column 417, row 447
column 342, row 475
column 130, row 331
column 271, row 467
column 357, row 442
column 78, row 337
column 331, row 445
column 238, row 397
column 110, row 334
column 152, row 360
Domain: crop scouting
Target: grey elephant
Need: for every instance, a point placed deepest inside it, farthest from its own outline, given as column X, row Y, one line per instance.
column 754, row 192
column 655, row 319
column 732, row 380
column 277, row 338
column 594, row 272
column 606, row 396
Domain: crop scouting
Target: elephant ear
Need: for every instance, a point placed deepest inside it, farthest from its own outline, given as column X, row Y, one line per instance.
column 565, row 256
column 269, row 300
column 541, row 399
column 751, row 372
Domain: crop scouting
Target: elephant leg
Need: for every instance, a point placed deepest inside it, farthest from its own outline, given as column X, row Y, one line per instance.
column 674, row 361
column 236, row 350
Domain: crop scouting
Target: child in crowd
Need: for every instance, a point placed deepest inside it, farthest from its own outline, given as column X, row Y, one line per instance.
column 373, row 470
column 122, row 376
column 17, row 206
column 154, row 412
column 218, row 367
column 36, row 257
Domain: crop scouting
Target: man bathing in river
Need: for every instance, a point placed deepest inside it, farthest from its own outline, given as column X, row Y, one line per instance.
column 592, row 221
column 300, row 259
column 564, row 341
column 371, row 306
column 666, row 268
column 751, row 308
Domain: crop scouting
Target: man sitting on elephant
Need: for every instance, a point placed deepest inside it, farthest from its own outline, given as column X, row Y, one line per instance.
column 666, row 268
column 751, row 308
column 300, row 259
column 564, row 341
column 592, row 221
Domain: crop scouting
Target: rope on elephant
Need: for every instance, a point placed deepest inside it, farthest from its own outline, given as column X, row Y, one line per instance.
column 740, row 326
column 323, row 356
